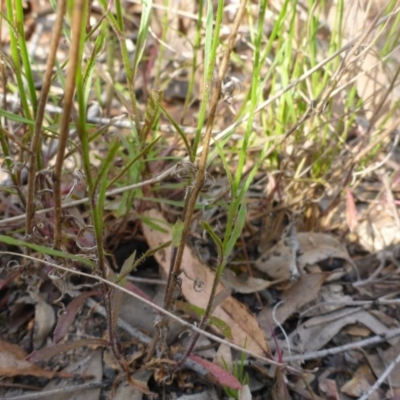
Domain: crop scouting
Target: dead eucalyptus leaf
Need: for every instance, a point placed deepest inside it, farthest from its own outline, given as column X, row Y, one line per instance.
column 67, row 318
column 360, row 383
column 302, row 292
column 48, row 352
column 144, row 316
column 223, row 357
column 328, row 388
column 380, row 361
column 244, row 327
column 246, row 285
column 377, row 229
column 13, row 363
column 313, row 248
column 89, row 366
column 315, row 333
column 328, row 293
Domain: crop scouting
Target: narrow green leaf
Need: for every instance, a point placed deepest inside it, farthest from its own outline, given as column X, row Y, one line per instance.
column 153, row 224
column 179, row 130
column 106, row 164
column 134, row 160
column 216, row 240
column 102, row 181
column 223, row 327
column 149, row 253
column 198, row 312
column 16, row 118
column 208, row 41
column 237, row 230
column 127, row 268
column 46, row 250
column 11, row 26
column 225, row 165
column 177, row 230
column 91, row 63
column 143, row 31
column 23, row 51
column 152, row 111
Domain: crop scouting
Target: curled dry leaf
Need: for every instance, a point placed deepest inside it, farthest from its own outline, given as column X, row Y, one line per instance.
column 244, row 327
column 244, row 393
column 44, row 320
column 13, row 363
column 313, row 248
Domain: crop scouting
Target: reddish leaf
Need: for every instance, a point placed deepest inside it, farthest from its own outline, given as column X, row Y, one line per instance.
column 43, row 354
column 134, row 289
column 223, row 377
column 66, row 319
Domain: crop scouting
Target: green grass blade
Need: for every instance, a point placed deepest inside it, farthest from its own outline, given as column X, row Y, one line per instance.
column 217, row 241
column 178, row 130
column 238, row 228
column 46, row 250
column 16, row 118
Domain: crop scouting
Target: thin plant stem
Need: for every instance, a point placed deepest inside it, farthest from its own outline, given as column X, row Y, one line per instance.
column 64, row 128
column 36, row 139
column 202, row 170
column 195, row 188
